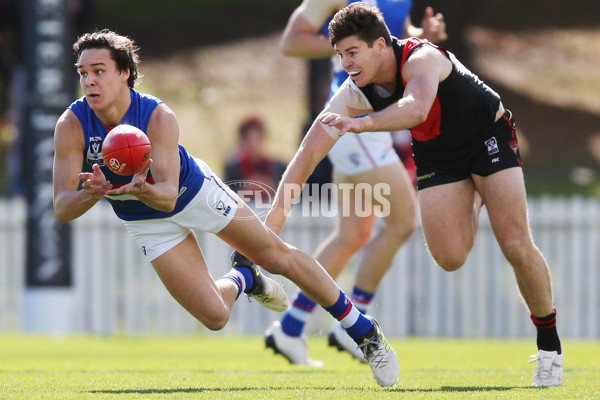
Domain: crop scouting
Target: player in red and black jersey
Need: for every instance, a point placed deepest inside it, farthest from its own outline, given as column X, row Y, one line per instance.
column 464, row 145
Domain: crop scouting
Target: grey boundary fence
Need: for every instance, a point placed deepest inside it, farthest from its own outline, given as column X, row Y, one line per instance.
column 117, row 291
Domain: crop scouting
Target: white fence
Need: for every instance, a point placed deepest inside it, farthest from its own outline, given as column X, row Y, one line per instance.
column 116, row 289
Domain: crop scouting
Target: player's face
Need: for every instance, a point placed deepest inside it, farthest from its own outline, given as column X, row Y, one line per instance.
column 359, row 60
column 101, row 81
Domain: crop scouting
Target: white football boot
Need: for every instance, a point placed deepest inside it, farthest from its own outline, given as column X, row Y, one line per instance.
column 380, row 355
column 292, row 348
column 340, row 339
column 549, row 371
column 265, row 290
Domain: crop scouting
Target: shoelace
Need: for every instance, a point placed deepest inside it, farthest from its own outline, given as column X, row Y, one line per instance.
column 373, row 353
column 534, row 358
column 540, row 372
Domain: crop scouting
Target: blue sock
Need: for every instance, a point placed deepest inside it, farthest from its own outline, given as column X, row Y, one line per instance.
column 362, row 299
column 243, row 277
column 294, row 319
column 356, row 324
column 248, row 276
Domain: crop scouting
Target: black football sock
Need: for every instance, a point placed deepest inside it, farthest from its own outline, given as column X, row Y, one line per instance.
column 547, row 336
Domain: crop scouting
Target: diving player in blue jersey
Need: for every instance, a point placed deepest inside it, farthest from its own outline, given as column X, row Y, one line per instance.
column 175, row 194
column 357, row 160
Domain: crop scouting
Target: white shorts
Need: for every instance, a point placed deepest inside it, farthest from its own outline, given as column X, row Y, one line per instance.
column 356, row 153
column 210, row 210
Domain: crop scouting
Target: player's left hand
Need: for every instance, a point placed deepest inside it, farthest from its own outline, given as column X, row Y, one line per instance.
column 138, row 181
column 342, row 122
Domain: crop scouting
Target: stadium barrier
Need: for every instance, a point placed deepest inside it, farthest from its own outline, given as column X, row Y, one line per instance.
column 117, row 291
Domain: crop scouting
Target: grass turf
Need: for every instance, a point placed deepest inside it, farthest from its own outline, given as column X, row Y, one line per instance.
column 233, row 367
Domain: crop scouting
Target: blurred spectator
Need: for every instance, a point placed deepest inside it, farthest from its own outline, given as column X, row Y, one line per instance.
column 250, row 163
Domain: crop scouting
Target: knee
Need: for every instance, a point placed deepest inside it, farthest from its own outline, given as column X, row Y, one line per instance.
column 401, row 231
column 517, row 251
column 354, row 239
column 450, row 261
column 276, row 260
column 215, row 322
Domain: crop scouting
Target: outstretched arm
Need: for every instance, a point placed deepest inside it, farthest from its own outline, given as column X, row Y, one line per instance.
column 423, row 72
column 314, row 147
column 302, row 37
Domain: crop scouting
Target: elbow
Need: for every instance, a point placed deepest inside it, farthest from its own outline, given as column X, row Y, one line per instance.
column 290, row 47
column 167, row 206
column 287, row 49
column 171, row 206
column 62, row 217
column 420, row 115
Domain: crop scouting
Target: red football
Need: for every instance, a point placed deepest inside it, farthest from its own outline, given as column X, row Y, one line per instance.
column 125, row 148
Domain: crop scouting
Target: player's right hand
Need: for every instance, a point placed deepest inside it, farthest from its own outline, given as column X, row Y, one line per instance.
column 95, row 184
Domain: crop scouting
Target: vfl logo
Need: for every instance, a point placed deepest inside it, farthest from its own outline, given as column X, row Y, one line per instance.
column 492, row 145
column 94, row 153
column 257, row 195
column 222, row 208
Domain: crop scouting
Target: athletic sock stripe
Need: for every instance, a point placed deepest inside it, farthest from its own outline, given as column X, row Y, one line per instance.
column 235, row 280
column 299, row 314
column 303, row 307
column 345, row 314
column 545, row 322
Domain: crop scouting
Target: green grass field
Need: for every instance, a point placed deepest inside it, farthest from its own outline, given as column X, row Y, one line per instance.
column 233, row 367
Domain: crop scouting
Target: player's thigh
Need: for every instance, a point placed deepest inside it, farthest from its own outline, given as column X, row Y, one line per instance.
column 447, row 217
column 355, row 217
column 184, row 273
column 506, row 202
column 248, row 235
column 392, row 194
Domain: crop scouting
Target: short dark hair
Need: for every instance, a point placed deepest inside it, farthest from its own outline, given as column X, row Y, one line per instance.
column 249, row 123
column 358, row 20
column 122, row 49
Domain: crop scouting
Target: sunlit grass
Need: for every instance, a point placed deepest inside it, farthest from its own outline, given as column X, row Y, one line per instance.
column 233, row 367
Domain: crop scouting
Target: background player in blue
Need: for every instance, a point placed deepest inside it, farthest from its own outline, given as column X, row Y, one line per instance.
column 176, row 193
column 357, row 160
column 464, row 142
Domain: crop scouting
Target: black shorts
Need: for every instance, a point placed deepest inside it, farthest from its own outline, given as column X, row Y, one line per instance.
column 495, row 150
